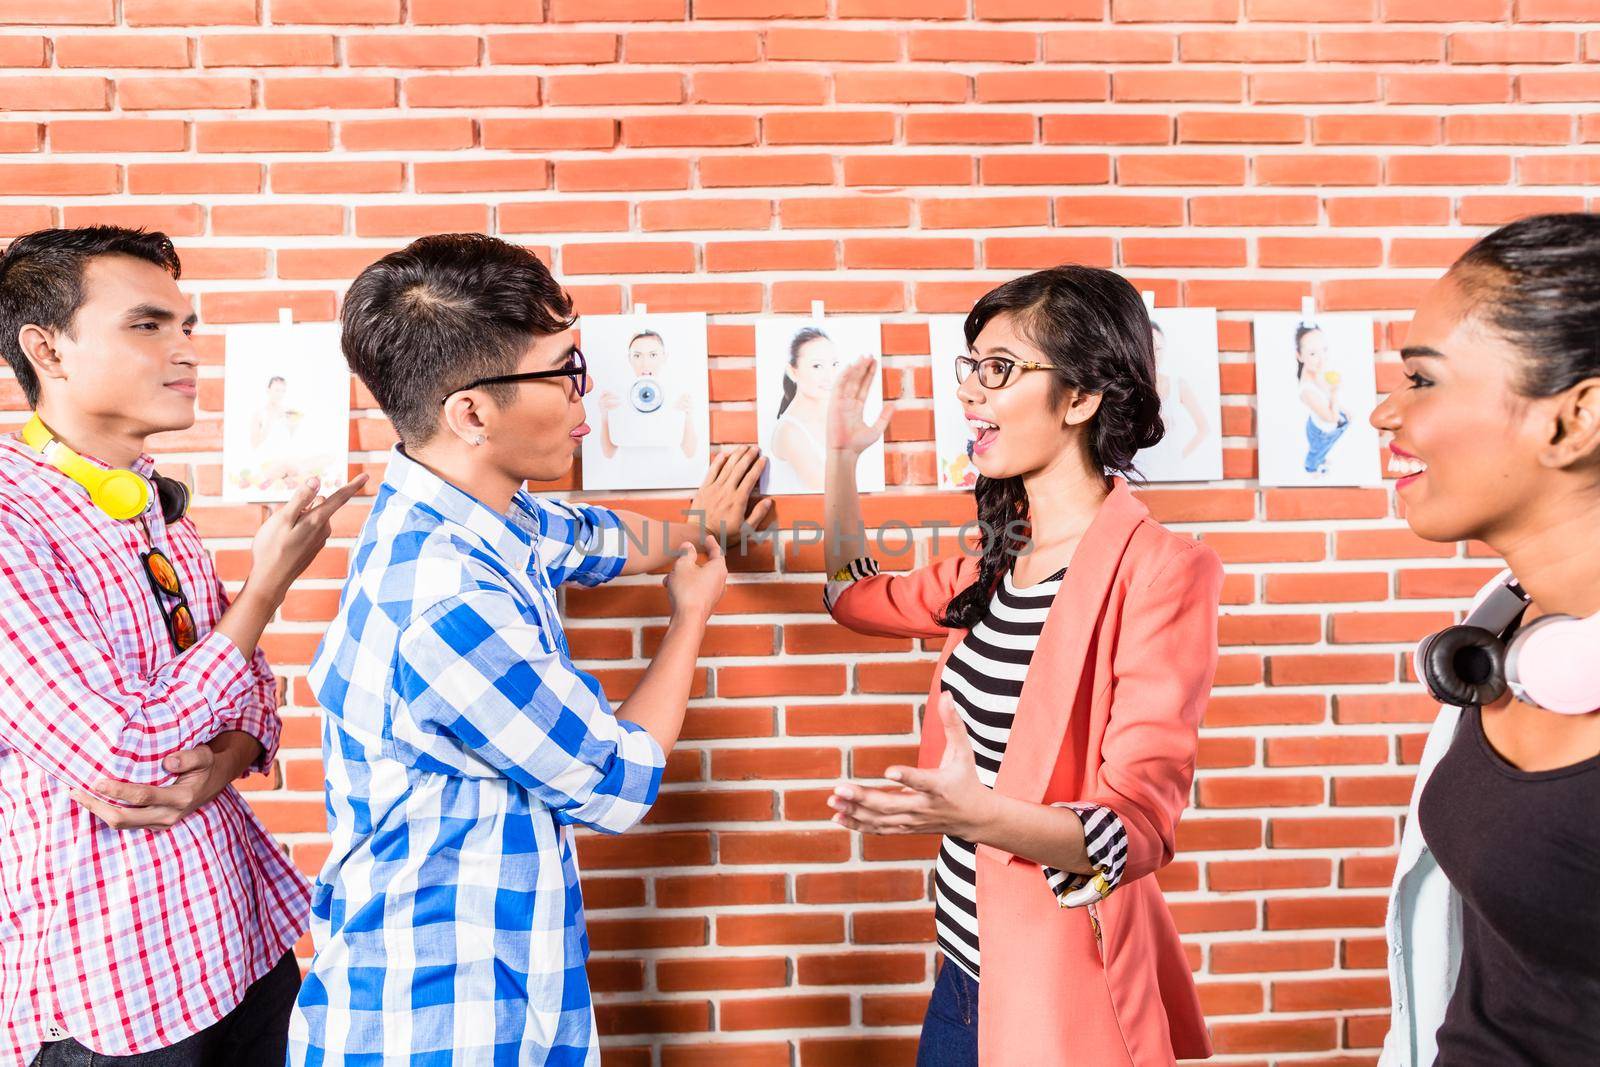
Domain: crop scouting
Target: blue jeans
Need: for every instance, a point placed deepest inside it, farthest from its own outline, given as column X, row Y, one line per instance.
column 950, row 1029
column 1320, row 442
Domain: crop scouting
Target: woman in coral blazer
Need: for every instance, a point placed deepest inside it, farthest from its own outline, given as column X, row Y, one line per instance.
column 1059, row 742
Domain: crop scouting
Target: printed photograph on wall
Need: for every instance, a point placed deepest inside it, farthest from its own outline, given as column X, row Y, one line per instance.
column 952, row 439
column 797, row 360
column 1315, row 389
column 286, row 410
column 649, row 409
column 1185, row 341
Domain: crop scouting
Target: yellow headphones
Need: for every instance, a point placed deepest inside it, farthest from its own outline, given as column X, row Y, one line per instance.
column 121, row 494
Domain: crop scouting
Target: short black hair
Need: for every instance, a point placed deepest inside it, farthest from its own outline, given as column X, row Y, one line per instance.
column 441, row 312
column 1536, row 281
column 41, row 282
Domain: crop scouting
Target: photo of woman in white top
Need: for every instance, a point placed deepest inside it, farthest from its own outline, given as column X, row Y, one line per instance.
column 1190, row 429
column 798, row 450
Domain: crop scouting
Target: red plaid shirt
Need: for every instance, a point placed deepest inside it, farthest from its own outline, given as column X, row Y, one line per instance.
column 126, row 941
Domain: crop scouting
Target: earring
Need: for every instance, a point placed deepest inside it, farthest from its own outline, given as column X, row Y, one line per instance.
column 480, row 439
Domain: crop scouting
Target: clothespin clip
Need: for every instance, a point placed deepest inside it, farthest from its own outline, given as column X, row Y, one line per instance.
column 1308, row 308
column 816, row 310
column 286, row 316
column 641, row 310
column 1149, row 300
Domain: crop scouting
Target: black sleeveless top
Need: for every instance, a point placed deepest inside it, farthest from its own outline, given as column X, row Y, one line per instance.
column 1523, row 850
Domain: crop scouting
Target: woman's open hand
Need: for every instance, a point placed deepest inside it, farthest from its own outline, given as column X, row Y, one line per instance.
column 848, row 430
column 946, row 800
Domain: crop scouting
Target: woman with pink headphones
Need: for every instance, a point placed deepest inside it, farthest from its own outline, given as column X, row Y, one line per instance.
column 1494, row 922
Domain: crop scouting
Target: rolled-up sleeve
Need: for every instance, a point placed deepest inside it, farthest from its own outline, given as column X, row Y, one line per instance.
column 70, row 705
column 579, row 543
column 474, row 670
column 1105, row 841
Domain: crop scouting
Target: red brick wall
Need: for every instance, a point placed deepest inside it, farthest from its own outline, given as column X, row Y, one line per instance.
column 896, row 157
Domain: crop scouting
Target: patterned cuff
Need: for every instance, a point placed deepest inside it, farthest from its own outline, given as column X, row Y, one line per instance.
column 1106, row 842
column 845, row 577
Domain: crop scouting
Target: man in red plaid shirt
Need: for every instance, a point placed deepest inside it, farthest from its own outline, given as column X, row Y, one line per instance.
column 144, row 912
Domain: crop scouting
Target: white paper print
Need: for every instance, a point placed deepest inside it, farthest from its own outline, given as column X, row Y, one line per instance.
column 286, row 410
column 797, row 360
column 1315, row 390
column 1187, row 379
column 649, row 411
column 947, row 340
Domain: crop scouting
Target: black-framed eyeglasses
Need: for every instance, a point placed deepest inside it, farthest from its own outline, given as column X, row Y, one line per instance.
column 576, row 368
column 164, row 583
column 994, row 372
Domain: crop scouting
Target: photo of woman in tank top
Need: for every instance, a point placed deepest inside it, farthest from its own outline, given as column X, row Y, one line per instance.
column 1494, row 919
column 1059, row 737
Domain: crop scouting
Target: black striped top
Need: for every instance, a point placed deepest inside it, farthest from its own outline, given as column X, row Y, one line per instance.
column 984, row 675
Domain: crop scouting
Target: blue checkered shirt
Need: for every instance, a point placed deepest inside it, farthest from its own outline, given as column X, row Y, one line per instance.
column 461, row 745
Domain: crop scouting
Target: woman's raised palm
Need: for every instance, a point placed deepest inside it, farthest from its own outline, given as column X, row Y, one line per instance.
column 848, row 428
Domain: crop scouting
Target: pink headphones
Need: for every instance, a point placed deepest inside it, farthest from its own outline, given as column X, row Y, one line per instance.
column 1551, row 663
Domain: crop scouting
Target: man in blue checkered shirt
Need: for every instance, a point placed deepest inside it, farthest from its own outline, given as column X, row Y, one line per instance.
column 461, row 742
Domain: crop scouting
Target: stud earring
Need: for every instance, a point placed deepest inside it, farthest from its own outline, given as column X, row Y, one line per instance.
column 480, row 439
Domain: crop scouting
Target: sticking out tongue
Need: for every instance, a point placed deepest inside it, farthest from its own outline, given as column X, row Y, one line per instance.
column 984, row 438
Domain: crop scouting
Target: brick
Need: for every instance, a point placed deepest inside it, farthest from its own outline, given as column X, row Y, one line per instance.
column 1513, row 46
column 1109, row 46
column 19, row 51
column 266, row 135
column 169, row 178
column 1376, row 129
column 829, row 127
column 562, row 216
column 1317, row 170
column 1032, row 253
column 481, row 175
column 1241, row 128
column 1515, row 129
column 354, row 12
column 550, row 133
column 143, row 50
column 325, row 92
column 758, row 87
column 1174, row 10
column 724, row 171
column 272, row 49
column 958, row 128
column 1231, row 46
column 633, row 87
column 174, row 94
column 59, row 13
column 628, row 258
column 411, row 49
column 1119, row 211
column 958, row 46
column 617, row 10
column 378, row 135
column 1088, row 168
column 189, row 12
column 472, row 90
column 905, row 87
column 632, row 173
column 408, row 220
column 902, row 169
column 1328, row 87
column 119, row 135
column 1379, row 46
column 1160, row 86
column 54, row 92
column 1320, row 251
column 59, row 179
column 702, row 213
column 845, row 212
column 983, row 211
column 181, row 219
column 1448, row 87
column 1167, row 169
column 1024, row 86
column 449, row 12
column 672, row 131
column 544, row 47
column 277, row 219
column 1184, row 251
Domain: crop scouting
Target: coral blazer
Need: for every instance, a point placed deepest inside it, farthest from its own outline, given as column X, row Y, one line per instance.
column 1109, row 714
